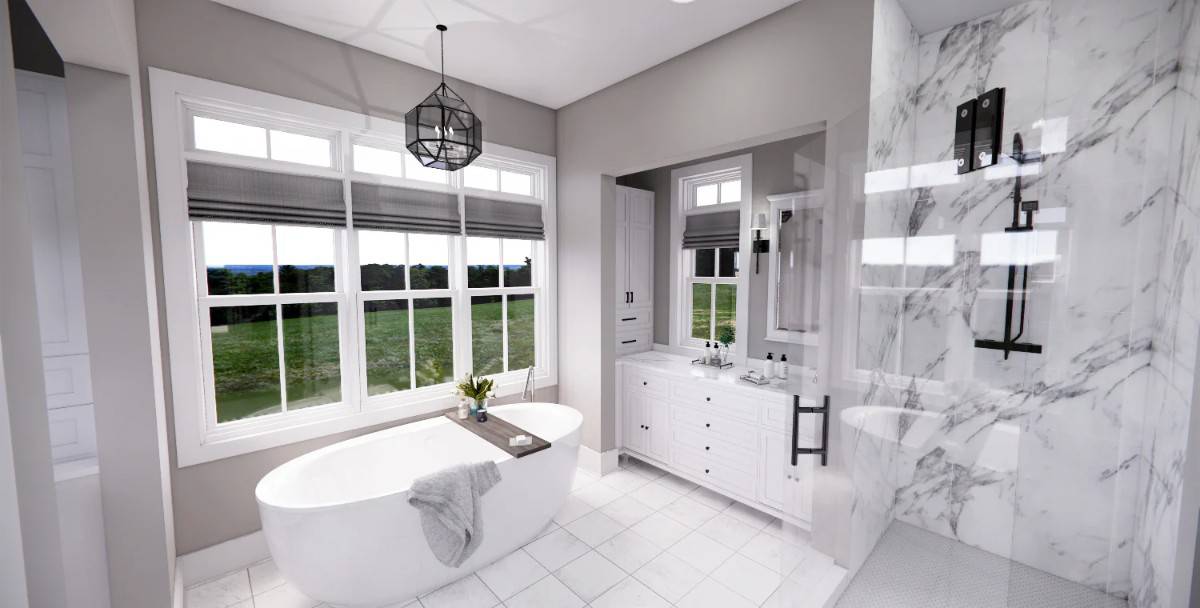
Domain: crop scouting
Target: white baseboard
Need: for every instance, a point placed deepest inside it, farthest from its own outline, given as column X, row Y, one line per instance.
column 217, row 560
column 598, row 463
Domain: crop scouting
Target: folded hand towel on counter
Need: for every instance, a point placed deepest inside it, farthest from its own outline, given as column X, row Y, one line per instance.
column 450, row 502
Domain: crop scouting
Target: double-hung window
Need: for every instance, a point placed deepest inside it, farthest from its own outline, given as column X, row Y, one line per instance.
column 319, row 279
column 712, row 206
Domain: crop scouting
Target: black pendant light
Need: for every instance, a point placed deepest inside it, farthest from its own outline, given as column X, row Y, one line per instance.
column 442, row 131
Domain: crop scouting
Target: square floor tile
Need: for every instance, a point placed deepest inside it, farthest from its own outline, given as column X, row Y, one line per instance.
column 710, row 499
column 630, row 593
column 661, row 530
column 512, row 573
column 711, row 594
column 594, row 528
column 747, row 578
column 629, row 550
column 701, row 552
column 655, row 495
column 467, row 592
column 583, row 479
column 284, row 596
column 677, row 484
column 729, row 531
column 689, row 512
column 573, row 508
column 219, row 593
column 265, row 576
column 597, row 495
column 624, row 481
column 546, row 593
column 750, row 516
column 764, row 549
column 627, row 510
column 556, row 549
column 590, row 576
column 669, row 576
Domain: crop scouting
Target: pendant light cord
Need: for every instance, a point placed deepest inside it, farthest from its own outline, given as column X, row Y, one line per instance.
column 442, row 34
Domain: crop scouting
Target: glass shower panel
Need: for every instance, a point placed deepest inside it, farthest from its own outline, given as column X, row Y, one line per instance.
column 985, row 335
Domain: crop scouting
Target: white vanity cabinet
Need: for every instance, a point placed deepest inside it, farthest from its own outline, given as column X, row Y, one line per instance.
column 635, row 270
column 728, row 437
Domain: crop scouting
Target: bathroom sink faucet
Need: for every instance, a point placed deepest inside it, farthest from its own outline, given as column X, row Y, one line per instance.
column 527, row 394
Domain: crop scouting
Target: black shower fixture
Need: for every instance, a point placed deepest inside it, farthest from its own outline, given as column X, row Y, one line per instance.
column 978, row 128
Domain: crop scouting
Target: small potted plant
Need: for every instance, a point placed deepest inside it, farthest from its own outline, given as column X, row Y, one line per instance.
column 725, row 336
column 477, row 389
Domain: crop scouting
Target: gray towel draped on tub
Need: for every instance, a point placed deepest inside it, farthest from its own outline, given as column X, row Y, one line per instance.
column 450, row 502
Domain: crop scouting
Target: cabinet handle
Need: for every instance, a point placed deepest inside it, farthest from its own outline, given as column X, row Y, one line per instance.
column 708, row 398
column 707, row 425
column 629, row 342
column 629, row 319
column 706, row 448
column 789, row 477
column 706, row 471
column 643, row 383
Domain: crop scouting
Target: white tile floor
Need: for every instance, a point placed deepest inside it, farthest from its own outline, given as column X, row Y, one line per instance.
column 636, row 538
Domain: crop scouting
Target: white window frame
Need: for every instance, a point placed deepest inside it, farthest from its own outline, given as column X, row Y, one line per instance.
column 173, row 98
column 684, row 180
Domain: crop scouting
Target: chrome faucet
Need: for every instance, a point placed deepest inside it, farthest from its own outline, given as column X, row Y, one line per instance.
column 527, row 394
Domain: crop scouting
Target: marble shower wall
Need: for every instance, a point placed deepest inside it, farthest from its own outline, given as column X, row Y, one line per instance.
column 1171, row 377
column 1037, row 457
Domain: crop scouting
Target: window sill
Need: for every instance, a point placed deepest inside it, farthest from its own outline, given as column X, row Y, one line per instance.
column 378, row 410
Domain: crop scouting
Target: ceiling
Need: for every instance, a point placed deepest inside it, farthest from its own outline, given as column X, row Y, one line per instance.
column 550, row 52
column 933, row 15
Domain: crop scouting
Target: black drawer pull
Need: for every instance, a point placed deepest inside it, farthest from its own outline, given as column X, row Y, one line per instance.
column 706, row 448
column 706, row 471
column 643, row 383
column 629, row 319
column 707, row 425
column 708, row 398
column 628, row 341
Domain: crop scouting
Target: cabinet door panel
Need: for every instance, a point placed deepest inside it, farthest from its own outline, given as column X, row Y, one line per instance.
column 621, row 263
column 635, row 434
column 659, row 421
column 641, row 264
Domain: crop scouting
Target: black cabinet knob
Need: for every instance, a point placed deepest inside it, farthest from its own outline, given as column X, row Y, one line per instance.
column 708, row 398
column 706, row 448
column 707, row 425
column 643, row 384
column 705, row 471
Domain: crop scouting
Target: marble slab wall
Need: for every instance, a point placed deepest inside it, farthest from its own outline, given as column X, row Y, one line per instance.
column 1177, row 325
column 1037, row 457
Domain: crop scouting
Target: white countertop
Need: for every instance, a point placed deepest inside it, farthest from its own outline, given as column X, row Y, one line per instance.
column 681, row 366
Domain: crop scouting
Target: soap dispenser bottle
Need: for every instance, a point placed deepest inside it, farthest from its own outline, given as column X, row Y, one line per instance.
column 781, row 369
column 707, row 357
column 769, row 366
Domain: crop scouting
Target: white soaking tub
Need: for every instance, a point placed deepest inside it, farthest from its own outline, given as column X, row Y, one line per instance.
column 338, row 522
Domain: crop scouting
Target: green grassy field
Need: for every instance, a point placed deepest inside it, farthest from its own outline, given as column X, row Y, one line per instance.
column 702, row 311
column 245, row 354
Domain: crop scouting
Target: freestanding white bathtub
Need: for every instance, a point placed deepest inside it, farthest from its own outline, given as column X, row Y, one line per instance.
column 338, row 522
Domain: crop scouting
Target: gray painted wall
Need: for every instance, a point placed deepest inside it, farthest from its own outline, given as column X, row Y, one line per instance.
column 214, row 501
column 122, row 323
column 803, row 65
column 24, row 397
column 788, row 165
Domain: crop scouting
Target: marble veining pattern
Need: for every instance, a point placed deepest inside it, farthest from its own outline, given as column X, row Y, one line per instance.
column 1040, row 458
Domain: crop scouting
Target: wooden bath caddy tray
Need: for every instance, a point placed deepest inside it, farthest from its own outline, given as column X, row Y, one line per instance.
column 497, row 432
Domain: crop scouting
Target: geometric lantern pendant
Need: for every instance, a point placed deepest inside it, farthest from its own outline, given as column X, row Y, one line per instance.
column 442, row 131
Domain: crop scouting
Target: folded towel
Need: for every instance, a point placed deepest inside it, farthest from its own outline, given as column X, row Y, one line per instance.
column 451, row 508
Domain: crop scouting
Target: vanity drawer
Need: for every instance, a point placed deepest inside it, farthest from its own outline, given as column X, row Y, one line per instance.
column 710, row 424
column 723, row 475
column 638, row 380
column 715, row 448
column 634, row 340
column 638, row 318
column 703, row 395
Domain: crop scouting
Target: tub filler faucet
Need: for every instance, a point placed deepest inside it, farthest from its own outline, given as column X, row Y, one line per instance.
column 527, row 394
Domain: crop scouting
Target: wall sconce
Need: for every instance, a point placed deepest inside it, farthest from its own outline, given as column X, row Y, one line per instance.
column 760, row 245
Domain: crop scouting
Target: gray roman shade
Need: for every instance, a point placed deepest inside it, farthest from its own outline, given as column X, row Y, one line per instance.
column 505, row 219
column 704, row 230
column 381, row 207
column 216, row 192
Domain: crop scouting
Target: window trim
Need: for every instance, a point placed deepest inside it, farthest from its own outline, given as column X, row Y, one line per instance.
column 683, row 183
column 173, row 96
